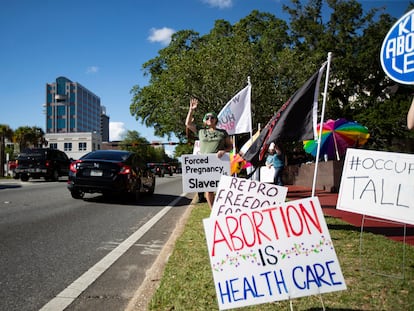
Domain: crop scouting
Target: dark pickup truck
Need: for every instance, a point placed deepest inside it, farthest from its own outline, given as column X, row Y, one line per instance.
column 41, row 162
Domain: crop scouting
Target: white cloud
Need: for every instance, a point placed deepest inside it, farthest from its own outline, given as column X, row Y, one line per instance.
column 92, row 69
column 222, row 4
column 162, row 35
column 117, row 131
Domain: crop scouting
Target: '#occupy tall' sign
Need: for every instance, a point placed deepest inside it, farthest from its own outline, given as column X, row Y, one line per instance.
column 397, row 51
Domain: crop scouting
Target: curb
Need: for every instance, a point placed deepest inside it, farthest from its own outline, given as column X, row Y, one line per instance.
column 144, row 293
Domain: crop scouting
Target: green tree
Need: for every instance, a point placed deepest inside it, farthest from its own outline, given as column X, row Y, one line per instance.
column 278, row 57
column 358, row 88
column 213, row 68
column 134, row 142
column 27, row 136
column 183, row 149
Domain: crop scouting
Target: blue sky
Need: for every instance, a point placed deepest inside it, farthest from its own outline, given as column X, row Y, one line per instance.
column 102, row 45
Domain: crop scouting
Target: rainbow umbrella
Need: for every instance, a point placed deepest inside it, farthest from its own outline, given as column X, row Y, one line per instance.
column 337, row 136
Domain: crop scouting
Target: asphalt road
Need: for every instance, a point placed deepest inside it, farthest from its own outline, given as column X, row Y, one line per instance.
column 59, row 253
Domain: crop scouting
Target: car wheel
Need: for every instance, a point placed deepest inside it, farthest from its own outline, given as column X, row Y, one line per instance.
column 55, row 175
column 152, row 188
column 136, row 193
column 24, row 177
column 76, row 194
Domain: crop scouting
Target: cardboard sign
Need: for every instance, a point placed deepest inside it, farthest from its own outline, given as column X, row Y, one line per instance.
column 202, row 173
column 196, row 149
column 277, row 253
column 267, row 174
column 235, row 195
column 397, row 51
column 378, row 184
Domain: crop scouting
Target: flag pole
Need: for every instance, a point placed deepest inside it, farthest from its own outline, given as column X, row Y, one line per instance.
column 321, row 123
column 251, row 130
column 248, row 170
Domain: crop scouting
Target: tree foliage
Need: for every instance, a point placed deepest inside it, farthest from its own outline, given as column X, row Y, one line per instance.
column 27, row 136
column 278, row 56
column 134, row 142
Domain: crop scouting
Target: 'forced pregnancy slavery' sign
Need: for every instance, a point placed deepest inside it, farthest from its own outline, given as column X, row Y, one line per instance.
column 202, row 172
column 276, row 253
column 378, row 184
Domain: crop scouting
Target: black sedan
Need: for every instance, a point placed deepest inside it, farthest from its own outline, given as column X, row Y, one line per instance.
column 110, row 172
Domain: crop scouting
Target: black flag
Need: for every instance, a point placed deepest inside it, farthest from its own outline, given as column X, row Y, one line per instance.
column 294, row 121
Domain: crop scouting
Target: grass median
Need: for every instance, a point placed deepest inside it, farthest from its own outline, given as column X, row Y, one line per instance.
column 373, row 273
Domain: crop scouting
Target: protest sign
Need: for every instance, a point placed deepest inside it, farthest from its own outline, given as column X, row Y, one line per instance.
column 379, row 184
column 201, row 173
column 397, row 51
column 239, row 194
column 267, row 174
column 196, row 149
column 277, row 253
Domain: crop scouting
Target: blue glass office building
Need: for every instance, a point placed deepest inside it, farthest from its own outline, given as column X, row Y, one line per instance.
column 71, row 108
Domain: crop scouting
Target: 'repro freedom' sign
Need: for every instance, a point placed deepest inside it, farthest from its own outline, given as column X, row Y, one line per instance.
column 276, row 253
column 378, row 184
column 235, row 195
column 397, row 51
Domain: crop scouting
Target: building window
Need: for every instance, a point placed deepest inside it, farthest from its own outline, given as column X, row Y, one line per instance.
column 61, row 123
column 67, row 147
column 53, row 146
column 82, row 146
column 61, row 111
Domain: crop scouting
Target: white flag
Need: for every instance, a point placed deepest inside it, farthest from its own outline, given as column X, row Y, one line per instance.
column 235, row 117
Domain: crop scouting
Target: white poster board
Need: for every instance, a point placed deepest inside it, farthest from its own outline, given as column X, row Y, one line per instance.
column 202, row 173
column 267, row 174
column 239, row 194
column 277, row 253
column 378, row 184
column 196, row 149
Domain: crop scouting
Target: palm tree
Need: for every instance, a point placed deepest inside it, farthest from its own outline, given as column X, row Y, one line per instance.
column 27, row 136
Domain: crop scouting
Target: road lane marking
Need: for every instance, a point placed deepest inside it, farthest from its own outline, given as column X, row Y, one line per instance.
column 73, row 291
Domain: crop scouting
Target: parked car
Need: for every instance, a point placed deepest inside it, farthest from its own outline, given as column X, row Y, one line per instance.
column 156, row 169
column 168, row 169
column 41, row 162
column 160, row 169
column 110, row 172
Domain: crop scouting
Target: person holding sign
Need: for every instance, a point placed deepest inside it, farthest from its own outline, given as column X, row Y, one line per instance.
column 410, row 116
column 212, row 139
column 276, row 159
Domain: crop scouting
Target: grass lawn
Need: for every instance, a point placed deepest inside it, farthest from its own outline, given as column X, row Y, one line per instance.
column 187, row 282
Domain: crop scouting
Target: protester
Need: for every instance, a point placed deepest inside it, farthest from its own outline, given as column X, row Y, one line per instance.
column 212, row 139
column 410, row 116
column 275, row 158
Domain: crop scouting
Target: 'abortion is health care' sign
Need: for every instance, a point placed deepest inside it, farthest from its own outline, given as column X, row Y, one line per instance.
column 379, row 184
column 276, row 253
column 397, row 51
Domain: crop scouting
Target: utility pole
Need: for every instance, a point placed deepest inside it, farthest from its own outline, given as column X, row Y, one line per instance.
column 2, row 152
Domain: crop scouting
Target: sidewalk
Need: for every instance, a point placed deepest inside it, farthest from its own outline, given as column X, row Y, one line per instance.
column 328, row 201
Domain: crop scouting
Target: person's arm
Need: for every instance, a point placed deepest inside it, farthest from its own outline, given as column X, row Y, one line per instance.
column 228, row 147
column 268, row 163
column 189, row 121
column 410, row 116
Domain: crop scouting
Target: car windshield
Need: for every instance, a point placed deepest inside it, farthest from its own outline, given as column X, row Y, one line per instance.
column 32, row 153
column 107, row 155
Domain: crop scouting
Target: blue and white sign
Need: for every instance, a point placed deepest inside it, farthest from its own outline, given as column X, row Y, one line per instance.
column 397, row 51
